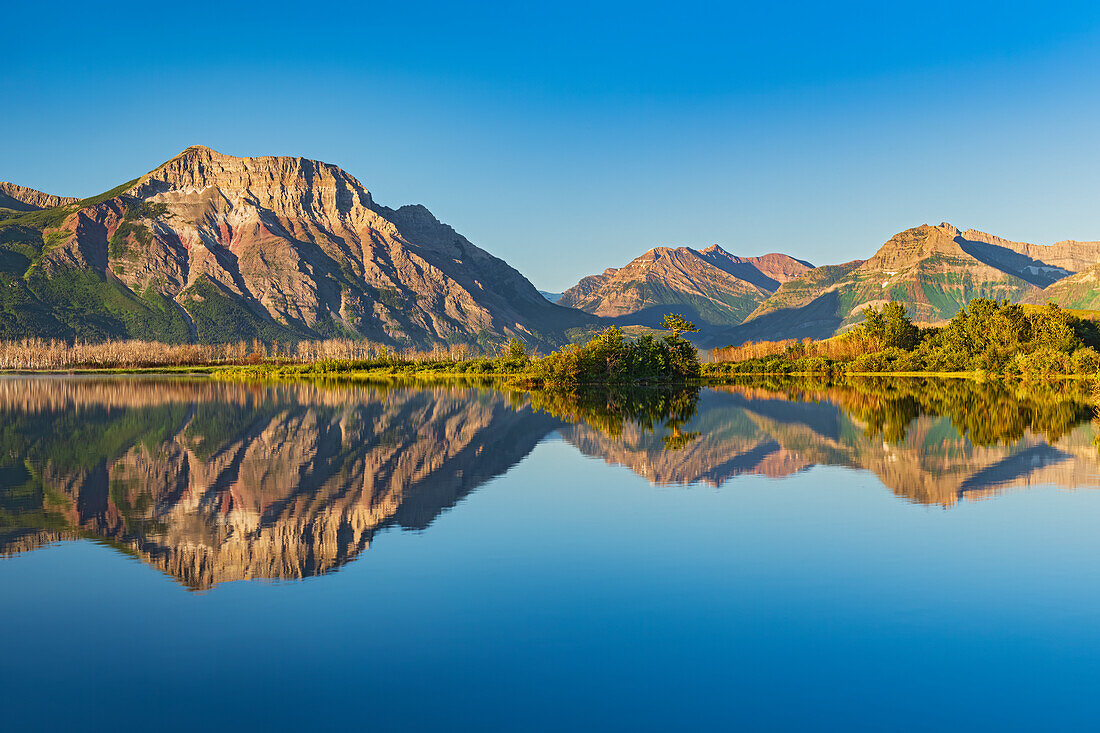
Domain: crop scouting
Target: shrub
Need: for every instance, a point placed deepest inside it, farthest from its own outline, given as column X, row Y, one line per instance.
column 1045, row 362
column 516, row 350
column 813, row 364
column 1086, row 361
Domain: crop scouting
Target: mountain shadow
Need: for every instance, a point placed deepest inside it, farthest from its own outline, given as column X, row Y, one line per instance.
column 818, row 319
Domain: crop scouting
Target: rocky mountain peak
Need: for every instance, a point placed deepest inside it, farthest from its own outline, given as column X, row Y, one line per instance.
column 280, row 183
column 416, row 215
column 914, row 245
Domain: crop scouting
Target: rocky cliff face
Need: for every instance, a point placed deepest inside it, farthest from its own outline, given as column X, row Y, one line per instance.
column 214, row 247
column 712, row 285
column 21, row 198
column 586, row 290
column 767, row 271
column 1039, row 264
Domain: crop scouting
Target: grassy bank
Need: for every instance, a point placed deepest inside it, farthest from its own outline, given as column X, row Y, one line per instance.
column 385, row 368
column 608, row 359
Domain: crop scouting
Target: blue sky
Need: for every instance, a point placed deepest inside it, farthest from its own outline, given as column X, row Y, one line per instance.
column 570, row 138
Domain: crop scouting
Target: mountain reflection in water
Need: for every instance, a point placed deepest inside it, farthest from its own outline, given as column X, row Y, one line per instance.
column 212, row 481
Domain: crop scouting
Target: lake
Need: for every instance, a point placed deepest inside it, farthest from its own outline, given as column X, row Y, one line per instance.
column 184, row 553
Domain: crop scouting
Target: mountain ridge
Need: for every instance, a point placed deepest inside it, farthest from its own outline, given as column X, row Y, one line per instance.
column 933, row 269
column 21, row 198
column 210, row 247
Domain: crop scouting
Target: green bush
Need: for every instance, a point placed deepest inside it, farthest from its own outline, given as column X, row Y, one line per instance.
column 1044, row 362
column 1086, row 361
column 813, row 364
column 873, row 362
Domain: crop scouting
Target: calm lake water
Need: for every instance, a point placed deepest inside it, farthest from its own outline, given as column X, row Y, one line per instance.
column 183, row 554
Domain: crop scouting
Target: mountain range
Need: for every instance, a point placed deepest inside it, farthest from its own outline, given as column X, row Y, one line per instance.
column 933, row 270
column 212, row 248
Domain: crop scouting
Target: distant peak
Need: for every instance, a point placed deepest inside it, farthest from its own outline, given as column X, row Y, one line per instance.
column 668, row 250
column 924, row 230
column 714, row 249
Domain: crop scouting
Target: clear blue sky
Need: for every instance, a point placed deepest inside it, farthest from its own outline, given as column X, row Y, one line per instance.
column 569, row 138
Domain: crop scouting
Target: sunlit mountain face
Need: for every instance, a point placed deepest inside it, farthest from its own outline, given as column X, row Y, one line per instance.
column 213, row 481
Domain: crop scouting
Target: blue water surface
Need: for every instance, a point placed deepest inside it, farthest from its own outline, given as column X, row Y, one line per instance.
column 572, row 592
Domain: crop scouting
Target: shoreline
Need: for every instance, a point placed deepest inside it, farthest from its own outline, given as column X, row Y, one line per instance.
column 304, row 371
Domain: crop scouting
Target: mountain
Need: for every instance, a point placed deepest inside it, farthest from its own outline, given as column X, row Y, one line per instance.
column 552, row 297
column 21, row 198
column 933, row 270
column 712, row 285
column 211, row 247
column 587, row 288
column 767, row 271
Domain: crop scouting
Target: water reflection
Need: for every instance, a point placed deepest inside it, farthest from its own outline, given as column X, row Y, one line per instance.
column 929, row 441
column 213, row 481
